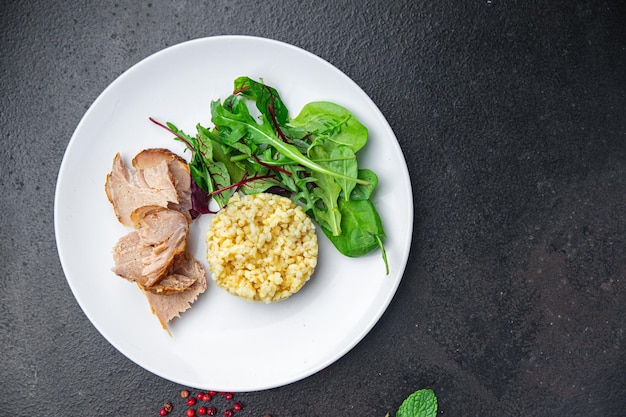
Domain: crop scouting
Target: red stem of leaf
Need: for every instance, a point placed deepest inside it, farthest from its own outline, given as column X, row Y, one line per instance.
column 279, row 132
column 275, row 168
column 241, row 89
column 172, row 132
column 244, row 181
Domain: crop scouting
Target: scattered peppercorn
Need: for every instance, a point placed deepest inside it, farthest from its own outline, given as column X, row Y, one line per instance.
column 204, row 396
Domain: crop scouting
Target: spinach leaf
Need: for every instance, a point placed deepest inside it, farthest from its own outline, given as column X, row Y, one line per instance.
column 330, row 120
column 361, row 229
column 363, row 192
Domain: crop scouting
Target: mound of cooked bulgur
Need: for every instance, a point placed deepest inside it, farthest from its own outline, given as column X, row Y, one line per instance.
column 261, row 247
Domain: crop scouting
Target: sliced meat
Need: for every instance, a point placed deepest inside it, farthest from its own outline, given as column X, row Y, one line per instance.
column 155, row 199
column 179, row 171
column 128, row 254
column 172, row 284
column 163, row 236
column 127, row 257
column 168, row 307
column 128, row 189
column 147, row 254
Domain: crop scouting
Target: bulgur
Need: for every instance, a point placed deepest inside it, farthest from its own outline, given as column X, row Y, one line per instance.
column 261, row 247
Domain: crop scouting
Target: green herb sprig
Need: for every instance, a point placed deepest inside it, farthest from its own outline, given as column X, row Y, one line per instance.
column 422, row 403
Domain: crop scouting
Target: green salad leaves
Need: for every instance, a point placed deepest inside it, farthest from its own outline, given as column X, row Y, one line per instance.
column 311, row 157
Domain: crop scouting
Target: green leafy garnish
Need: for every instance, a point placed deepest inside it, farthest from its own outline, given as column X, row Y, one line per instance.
column 330, row 120
column 311, row 158
column 422, row 403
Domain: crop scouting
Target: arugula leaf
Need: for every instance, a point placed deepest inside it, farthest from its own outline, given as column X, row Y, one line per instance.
column 343, row 159
column 422, row 403
column 327, row 190
column 237, row 124
column 302, row 184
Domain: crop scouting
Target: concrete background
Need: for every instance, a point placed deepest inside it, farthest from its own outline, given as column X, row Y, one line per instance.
column 511, row 115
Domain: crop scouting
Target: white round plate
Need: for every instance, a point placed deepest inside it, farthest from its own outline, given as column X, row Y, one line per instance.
column 224, row 343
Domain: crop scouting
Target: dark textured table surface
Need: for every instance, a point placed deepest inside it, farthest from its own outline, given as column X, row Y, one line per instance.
column 511, row 115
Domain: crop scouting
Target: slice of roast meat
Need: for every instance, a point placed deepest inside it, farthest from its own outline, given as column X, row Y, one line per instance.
column 155, row 199
column 163, row 236
column 127, row 257
column 179, row 171
column 129, row 189
column 128, row 254
column 172, row 284
column 168, row 307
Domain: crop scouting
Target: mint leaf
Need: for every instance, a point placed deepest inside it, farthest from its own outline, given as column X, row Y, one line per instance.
column 422, row 403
